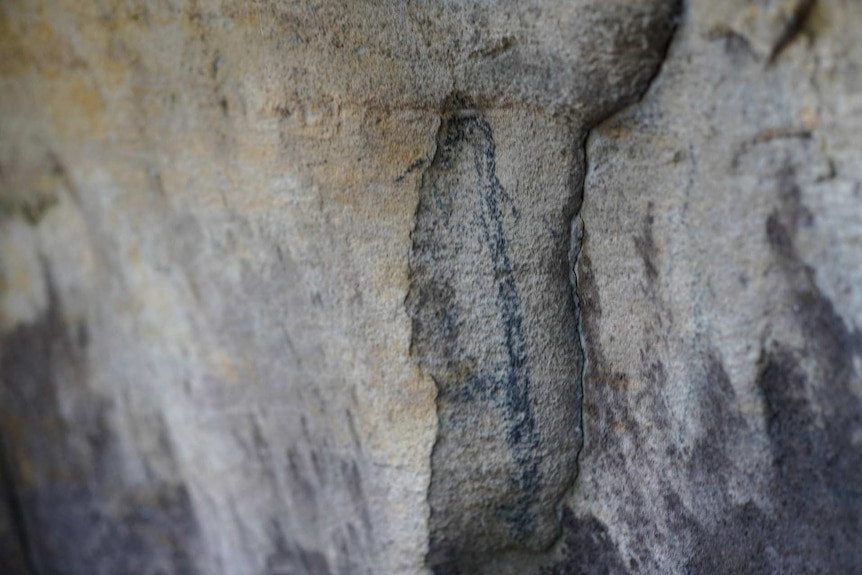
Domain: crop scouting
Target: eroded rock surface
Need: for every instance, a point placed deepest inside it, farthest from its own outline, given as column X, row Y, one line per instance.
column 300, row 287
column 721, row 272
column 495, row 327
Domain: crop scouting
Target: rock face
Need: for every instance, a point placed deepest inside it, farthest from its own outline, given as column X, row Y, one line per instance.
column 342, row 287
column 721, row 276
column 495, row 327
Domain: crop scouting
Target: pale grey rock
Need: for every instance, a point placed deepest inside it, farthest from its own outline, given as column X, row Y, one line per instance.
column 720, row 275
column 301, row 287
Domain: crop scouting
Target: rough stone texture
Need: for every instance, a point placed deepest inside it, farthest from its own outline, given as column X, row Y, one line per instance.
column 301, row 287
column 495, row 326
column 721, row 273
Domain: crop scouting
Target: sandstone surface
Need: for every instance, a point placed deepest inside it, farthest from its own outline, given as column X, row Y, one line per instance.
column 451, row 286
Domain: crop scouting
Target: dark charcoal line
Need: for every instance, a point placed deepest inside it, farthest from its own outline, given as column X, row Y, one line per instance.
column 521, row 433
column 464, row 212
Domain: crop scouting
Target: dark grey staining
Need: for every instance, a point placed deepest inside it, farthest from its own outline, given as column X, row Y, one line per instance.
column 489, row 489
column 737, row 539
column 79, row 530
column 793, row 28
column 809, row 520
column 812, row 415
column 788, row 416
column 587, row 549
column 812, row 521
column 722, row 425
column 738, row 543
column 778, row 236
column 73, row 512
column 291, row 559
column 319, row 478
column 15, row 551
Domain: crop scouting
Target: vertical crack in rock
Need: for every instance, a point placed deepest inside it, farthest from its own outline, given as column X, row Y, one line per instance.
column 496, row 321
column 576, row 243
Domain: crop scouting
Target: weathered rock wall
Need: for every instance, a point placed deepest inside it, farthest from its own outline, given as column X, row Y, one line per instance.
column 722, row 270
column 379, row 287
